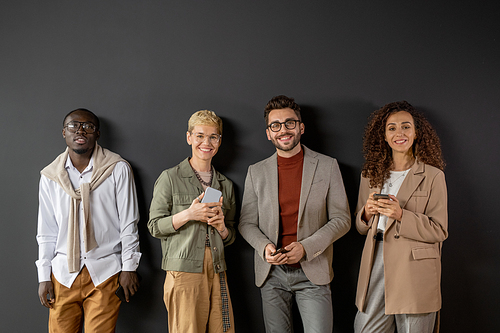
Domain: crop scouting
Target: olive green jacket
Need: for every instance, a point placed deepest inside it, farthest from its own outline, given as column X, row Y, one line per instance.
column 184, row 249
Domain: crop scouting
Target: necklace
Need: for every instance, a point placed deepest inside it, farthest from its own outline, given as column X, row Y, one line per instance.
column 201, row 180
column 391, row 182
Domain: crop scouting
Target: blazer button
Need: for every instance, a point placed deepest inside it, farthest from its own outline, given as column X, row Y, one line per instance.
column 218, row 267
column 396, row 236
column 215, row 249
column 212, row 231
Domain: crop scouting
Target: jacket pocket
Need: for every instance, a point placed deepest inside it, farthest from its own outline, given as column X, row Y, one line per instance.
column 418, row 201
column 181, row 201
column 183, row 198
column 420, row 253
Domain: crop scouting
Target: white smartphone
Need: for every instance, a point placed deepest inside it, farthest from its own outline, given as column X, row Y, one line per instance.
column 211, row 195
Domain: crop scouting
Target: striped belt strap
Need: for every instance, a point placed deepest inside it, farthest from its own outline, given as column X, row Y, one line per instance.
column 226, row 323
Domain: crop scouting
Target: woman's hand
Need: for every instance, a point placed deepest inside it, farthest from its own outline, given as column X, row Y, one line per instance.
column 390, row 208
column 197, row 211
column 371, row 208
column 217, row 221
column 203, row 211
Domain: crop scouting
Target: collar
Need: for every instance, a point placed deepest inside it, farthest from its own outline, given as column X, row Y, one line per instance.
column 69, row 164
column 417, row 167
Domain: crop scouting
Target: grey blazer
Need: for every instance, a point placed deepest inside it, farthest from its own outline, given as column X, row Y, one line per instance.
column 323, row 214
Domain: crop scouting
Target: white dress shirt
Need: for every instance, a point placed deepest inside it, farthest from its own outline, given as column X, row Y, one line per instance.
column 114, row 215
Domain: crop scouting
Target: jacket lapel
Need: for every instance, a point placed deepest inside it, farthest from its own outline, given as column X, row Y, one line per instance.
column 308, row 171
column 216, row 180
column 375, row 217
column 410, row 184
column 272, row 188
column 187, row 172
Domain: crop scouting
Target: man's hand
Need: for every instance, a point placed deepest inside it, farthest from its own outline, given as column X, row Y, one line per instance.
column 45, row 288
column 296, row 252
column 130, row 283
column 279, row 259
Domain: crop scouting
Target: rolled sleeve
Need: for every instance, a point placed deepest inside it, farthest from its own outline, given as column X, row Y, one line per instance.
column 160, row 212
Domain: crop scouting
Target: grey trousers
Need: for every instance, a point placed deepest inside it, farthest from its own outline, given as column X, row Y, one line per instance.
column 374, row 319
column 314, row 302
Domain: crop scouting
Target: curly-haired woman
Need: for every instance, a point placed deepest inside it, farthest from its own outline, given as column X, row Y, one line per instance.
column 400, row 273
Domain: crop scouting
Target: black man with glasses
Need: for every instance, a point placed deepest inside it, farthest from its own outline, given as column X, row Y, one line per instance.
column 294, row 207
column 87, row 231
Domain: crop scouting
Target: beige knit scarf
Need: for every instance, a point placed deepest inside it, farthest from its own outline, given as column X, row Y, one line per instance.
column 104, row 163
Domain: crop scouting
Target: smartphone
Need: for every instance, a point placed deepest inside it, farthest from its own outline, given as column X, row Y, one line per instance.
column 377, row 196
column 121, row 294
column 280, row 250
column 211, row 195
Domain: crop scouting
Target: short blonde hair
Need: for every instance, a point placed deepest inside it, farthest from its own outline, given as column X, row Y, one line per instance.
column 205, row 118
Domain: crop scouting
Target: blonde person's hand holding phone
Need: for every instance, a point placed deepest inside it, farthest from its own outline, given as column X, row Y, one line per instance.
column 214, row 198
column 199, row 209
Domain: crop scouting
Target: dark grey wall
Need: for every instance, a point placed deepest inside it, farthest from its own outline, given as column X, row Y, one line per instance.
column 145, row 66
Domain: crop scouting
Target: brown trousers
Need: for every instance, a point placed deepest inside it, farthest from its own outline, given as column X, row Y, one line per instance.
column 193, row 300
column 83, row 305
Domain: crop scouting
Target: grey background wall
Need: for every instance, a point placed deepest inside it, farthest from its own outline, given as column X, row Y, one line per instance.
column 145, row 66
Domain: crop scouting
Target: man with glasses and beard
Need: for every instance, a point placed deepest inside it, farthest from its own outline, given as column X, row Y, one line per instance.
column 294, row 207
column 87, row 231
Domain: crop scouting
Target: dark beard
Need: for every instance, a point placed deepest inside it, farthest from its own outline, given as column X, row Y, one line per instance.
column 296, row 141
column 287, row 148
column 81, row 151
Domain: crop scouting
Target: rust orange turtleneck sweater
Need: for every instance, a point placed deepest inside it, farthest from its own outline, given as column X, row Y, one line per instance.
column 289, row 183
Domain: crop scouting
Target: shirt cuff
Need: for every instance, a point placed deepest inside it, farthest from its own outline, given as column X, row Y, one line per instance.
column 131, row 264
column 165, row 226
column 44, row 270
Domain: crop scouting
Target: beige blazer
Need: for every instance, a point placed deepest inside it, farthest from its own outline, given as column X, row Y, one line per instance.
column 412, row 246
column 322, row 219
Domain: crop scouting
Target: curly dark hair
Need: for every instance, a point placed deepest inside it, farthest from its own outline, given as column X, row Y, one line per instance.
column 377, row 152
column 281, row 102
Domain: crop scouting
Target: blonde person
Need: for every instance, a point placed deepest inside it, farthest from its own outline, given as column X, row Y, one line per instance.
column 400, row 274
column 193, row 234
